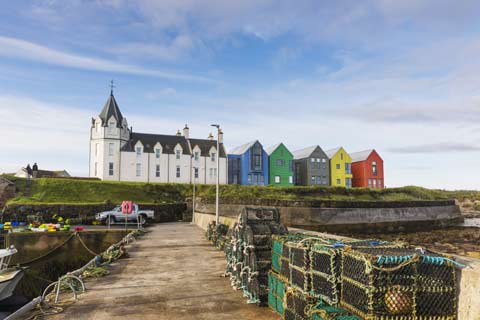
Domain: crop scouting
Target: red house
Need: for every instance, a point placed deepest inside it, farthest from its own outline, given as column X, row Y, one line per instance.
column 367, row 170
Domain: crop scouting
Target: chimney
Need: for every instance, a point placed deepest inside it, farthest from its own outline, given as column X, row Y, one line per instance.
column 210, row 136
column 179, row 134
column 220, row 136
column 186, row 132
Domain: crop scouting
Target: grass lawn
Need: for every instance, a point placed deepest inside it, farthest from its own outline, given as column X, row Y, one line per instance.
column 47, row 190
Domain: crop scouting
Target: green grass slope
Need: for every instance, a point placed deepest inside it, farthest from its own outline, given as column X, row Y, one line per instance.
column 94, row 191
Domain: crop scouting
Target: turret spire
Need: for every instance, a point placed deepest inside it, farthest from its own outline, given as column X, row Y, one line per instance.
column 111, row 87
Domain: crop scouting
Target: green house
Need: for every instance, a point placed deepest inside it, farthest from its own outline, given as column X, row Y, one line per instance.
column 280, row 164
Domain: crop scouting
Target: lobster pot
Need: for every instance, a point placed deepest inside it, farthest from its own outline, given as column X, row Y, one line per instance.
column 325, row 273
column 297, row 304
column 398, row 284
column 276, row 292
column 299, row 264
column 326, row 312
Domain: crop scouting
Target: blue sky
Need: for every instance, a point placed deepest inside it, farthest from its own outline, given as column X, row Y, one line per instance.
column 398, row 76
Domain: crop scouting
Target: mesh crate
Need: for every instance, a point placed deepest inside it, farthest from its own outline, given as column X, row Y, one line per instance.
column 326, row 262
column 325, row 273
column 297, row 304
column 276, row 292
column 398, row 284
column 326, row 312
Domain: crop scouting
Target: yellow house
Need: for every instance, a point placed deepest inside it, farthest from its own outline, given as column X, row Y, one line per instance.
column 340, row 167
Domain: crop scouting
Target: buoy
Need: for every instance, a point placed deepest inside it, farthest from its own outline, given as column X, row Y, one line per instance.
column 398, row 302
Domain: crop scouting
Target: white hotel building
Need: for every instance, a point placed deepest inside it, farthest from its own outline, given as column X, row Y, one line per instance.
column 119, row 154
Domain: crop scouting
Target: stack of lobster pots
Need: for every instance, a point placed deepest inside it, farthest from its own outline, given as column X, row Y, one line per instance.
column 308, row 269
column 249, row 252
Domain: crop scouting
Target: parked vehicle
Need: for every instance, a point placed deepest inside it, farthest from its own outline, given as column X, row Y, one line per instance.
column 116, row 215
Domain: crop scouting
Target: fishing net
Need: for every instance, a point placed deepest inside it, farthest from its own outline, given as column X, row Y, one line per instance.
column 276, row 292
column 398, row 284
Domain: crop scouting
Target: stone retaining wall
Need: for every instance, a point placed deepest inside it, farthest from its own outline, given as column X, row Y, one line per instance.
column 357, row 218
column 163, row 212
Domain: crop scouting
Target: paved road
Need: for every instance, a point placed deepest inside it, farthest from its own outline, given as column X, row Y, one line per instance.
column 171, row 273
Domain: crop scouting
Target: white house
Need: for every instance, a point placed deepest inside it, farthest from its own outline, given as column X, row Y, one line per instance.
column 119, row 154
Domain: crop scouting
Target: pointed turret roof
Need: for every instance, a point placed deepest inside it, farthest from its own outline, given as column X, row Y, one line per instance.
column 111, row 109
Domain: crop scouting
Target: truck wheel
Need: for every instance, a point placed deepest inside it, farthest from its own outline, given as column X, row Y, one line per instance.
column 143, row 219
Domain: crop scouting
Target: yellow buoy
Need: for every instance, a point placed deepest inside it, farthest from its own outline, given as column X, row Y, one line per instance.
column 398, row 302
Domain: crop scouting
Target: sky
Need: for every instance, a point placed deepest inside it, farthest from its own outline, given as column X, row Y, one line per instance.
column 398, row 76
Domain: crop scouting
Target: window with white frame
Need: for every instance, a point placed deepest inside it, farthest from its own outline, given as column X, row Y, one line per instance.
column 339, row 181
column 196, row 156
column 139, row 151
column 374, row 168
column 110, row 168
column 369, row 183
column 277, row 179
column 177, row 154
column 111, row 127
column 338, row 166
column 178, row 172
column 211, row 172
column 280, row 162
column 290, row 179
column 195, row 170
column 374, row 183
column 157, row 170
column 324, row 160
column 111, row 146
column 213, row 156
column 138, row 169
column 157, row 153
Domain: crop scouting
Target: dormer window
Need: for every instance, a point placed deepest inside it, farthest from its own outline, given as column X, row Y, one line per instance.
column 177, row 154
column 139, row 151
column 157, row 153
column 196, row 155
column 213, row 155
column 374, row 168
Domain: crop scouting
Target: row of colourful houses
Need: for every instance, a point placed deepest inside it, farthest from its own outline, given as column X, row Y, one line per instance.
column 251, row 164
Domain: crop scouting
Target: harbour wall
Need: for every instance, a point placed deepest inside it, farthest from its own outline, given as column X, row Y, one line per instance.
column 47, row 255
column 351, row 216
column 167, row 212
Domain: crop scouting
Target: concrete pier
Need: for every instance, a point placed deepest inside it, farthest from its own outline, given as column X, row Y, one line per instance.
column 171, row 273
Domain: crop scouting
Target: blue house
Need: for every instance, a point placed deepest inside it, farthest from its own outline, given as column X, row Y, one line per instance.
column 248, row 165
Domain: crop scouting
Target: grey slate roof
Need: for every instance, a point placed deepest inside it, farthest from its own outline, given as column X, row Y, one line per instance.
column 243, row 148
column 149, row 141
column 205, row 145
column 111, row 109
column 304, row 153
column 361, row 155
column 330, row 153
column 272, row 149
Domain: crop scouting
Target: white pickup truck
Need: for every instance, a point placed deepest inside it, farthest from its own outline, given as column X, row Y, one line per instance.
column 116, row 215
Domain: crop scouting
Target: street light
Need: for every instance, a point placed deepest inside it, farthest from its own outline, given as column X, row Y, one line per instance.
column 193, row 196
column 217, row 216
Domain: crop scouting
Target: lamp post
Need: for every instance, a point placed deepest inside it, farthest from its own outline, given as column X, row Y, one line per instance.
column 217, row 216
column 193, row 196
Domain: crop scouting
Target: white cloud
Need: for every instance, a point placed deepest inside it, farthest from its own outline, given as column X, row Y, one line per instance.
column 17, row 48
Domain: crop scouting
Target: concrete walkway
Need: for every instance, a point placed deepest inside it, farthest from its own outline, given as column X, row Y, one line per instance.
column 171, row 273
